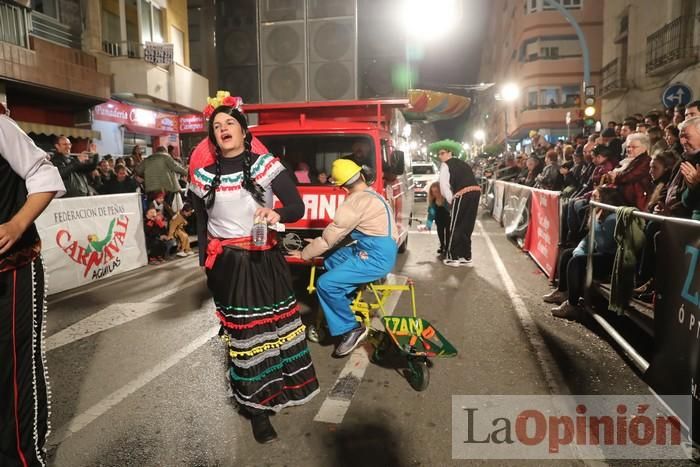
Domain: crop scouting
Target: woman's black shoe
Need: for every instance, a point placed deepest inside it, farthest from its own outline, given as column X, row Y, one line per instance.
column 263, row 432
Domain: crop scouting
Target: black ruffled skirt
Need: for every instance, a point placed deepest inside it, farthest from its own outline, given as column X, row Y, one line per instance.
column 270, row 367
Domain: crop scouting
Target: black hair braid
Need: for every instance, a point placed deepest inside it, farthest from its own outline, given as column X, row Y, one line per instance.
column 249, row 183
column 210, row 195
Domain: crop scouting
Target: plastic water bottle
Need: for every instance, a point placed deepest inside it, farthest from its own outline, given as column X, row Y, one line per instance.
column 259, row 232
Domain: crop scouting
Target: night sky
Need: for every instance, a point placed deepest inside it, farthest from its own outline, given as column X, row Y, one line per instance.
column 454, row 59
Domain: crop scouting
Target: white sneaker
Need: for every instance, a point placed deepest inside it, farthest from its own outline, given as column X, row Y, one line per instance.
column 451, row 262
column 464, row 261
column 181, row 254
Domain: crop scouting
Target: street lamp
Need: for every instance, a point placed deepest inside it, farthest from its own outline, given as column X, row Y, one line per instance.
column 419, row 16
column 509, row 93
column 480, row 135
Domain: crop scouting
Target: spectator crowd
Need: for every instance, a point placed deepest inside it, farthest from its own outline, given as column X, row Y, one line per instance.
column 160, row 179
column 649, row 163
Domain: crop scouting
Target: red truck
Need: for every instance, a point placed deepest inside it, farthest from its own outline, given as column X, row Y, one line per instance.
column 309, row 136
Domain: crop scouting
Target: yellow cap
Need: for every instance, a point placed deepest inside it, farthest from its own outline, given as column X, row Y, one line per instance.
column 344, row 171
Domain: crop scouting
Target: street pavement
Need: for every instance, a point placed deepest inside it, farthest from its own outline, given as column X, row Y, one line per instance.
column 138, row 375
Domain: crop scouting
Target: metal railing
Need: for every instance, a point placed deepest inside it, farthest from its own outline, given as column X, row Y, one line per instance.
column 48, row 28
column 129, row 49
column 613, row 78
column 15, row 24
column 565, row 105
column 639, row 361
column 535, row 58
column 671, row 44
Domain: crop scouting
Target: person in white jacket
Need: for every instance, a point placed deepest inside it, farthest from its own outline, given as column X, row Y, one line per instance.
column 28, row 183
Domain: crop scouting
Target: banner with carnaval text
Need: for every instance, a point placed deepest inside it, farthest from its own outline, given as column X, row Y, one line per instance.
column 91, row 238
column 542, row 238
column 675, row 365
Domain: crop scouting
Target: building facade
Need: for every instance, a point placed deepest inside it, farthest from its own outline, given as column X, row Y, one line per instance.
column 114, row 71
column 532, row 45
column 46, row 79
column 299, row 50
column 644, row 54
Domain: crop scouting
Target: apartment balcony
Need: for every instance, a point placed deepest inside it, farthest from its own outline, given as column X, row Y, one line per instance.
column 614, row 79
column 55, row 67
column 569, row 65
column 172, row 86
column 18, row 23
column 546, row 116
column 671, row 48
column 15, row 24
column 49, row 29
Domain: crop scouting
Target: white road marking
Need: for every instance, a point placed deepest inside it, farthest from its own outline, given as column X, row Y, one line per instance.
column 333, row 410
column 86, row 417
column 556, row 384
column 434, row 233
column 114, row 315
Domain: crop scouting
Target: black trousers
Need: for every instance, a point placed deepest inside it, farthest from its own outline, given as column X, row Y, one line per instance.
column 464, row 211
column 647, row 263
column 23, row 384
column 572, row 272
column 442, row 224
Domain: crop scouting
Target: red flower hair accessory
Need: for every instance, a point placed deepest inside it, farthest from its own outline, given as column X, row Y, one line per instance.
column 221, row 98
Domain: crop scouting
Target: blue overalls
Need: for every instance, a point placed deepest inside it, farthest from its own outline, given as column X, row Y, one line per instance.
column 369, row 259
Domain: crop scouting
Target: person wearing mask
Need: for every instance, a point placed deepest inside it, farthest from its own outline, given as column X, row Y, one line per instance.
column 28, row 183
column 75, row 170
column 461, row 190
column 270, row 366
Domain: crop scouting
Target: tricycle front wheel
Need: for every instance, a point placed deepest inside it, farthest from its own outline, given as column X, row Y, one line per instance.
column 418, row 374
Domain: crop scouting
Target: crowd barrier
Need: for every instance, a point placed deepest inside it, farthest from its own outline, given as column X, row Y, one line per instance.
column 88, row 239
column 674, row 366
column 531, row 217
column 672, row 322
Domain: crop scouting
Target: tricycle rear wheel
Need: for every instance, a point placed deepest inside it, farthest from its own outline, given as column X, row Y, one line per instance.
column 418, row 374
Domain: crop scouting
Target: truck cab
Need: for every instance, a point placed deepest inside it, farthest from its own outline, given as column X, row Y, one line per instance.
column 308, row 137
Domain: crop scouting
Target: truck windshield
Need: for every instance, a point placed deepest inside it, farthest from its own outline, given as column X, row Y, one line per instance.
column 309, row 157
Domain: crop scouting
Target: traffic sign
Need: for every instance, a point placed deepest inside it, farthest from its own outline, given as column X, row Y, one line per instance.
column 676, row 94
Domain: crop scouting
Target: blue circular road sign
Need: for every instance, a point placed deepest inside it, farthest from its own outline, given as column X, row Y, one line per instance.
column 676, row 94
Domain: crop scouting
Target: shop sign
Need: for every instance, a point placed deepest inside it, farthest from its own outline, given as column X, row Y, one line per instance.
column 113, row 111
column 193, row 123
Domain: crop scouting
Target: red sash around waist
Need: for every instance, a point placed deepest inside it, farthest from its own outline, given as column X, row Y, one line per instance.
column 216, row 246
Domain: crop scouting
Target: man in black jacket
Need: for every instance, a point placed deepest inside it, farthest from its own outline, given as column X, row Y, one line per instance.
column 460, row 188
column 74, row 170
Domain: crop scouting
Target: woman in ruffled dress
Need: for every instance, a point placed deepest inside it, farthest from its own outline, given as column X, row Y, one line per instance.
column 270, row 367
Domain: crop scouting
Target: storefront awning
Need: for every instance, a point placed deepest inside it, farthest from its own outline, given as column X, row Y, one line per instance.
column 44, row 129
